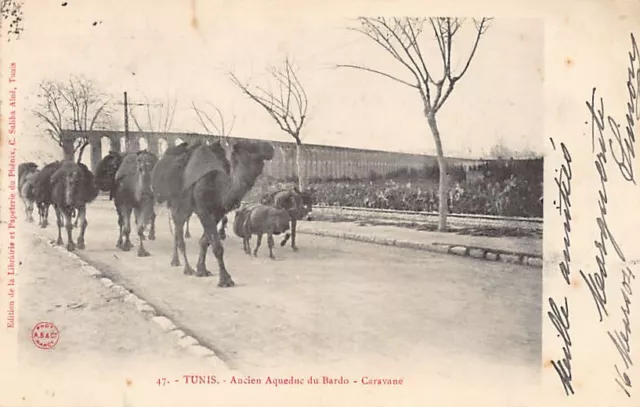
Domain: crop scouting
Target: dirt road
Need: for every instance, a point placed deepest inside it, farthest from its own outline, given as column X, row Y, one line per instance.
column 452, row 327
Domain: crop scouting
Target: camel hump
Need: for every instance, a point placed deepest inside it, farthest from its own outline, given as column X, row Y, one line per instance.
column 26, row 185
column 202, row 162
column 128, row 166
column 42, row 183
column 106, row 171
column 26, row 168
column 166, row 177
column 89, row 191
column 240, row 217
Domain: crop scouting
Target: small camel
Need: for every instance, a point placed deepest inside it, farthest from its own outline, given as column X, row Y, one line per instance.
column 297, row 204
column 258, row 219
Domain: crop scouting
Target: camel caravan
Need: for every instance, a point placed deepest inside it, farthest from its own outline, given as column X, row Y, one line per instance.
column 190, row 179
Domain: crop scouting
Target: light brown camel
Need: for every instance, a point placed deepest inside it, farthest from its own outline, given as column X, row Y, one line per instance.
column 297, row 204
column 27, row 174
column 258, row 219
column 199, row 179
column 72, row 188
column 130, row 187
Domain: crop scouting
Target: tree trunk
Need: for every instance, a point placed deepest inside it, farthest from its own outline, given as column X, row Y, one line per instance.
column 81, row 151
column 302, row 179
column 443, row 207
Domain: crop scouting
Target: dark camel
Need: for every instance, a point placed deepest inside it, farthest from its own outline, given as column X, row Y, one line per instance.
column 42, row 189
column 125, row 187
column 297, row 204
column 199, row 179
column 130, row 188
column 72, row 188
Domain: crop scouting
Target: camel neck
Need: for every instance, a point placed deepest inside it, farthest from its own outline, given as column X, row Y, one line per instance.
column 242, row 179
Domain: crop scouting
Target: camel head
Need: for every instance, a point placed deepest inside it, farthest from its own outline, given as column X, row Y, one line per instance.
column 145, row 162
column 252, row 154
column 71, row 176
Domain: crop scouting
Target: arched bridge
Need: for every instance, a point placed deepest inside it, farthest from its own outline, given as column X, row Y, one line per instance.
column 318, row 160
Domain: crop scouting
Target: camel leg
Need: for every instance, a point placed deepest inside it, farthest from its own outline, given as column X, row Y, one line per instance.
column 68, row 224
column 152, row 228
column 30, row 211
column 120, row 226
column 294, row 222
column 175, row 261
column 223, row 228
column 46, row 215
column 82, row 218
column 136, row 214
column 201, row 267
column 39, row 207
column 210, row 228
column 141, row 218
column 258, row 242
column 270, row 244
column 59, row 242
column 187, row 234
column 25, row 204
column 246, row 232
column 246, row 244
column 126, row 228
column 188, row 270
column 43, row 211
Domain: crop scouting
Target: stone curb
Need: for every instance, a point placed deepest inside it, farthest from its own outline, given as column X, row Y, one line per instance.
column 179, row 337
column 525, row 259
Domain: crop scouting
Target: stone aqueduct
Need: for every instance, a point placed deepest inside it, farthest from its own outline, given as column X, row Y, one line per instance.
column 319, row 160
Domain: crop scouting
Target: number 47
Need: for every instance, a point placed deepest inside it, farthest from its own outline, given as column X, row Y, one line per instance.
column 162, row 381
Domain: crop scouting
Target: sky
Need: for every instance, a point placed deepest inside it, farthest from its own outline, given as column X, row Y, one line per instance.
column 185, row 49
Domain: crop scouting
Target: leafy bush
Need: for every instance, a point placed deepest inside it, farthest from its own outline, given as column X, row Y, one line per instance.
column 506, row 188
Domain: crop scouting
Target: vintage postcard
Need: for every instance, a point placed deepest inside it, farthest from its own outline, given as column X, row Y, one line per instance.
column 377, row 203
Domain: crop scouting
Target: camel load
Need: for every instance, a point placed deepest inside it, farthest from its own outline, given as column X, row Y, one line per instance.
column 259, row 219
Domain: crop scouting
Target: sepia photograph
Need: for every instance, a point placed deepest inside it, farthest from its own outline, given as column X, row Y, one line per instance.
column 244, row 204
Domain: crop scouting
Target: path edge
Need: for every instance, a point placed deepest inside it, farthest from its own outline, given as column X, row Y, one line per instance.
column 482, row 253
column 180, row 338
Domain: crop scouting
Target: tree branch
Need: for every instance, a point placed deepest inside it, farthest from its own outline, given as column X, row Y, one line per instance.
column 377, row 72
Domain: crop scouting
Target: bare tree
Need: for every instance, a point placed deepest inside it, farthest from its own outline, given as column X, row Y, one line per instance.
column 399, row 38
column 12, row 13
column 159, row 121
column 76, row 104
column 210, row 126
column 287, row 106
